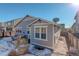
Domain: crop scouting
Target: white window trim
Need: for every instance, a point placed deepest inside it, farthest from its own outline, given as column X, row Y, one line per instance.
column 35, row 30
column 40, row 32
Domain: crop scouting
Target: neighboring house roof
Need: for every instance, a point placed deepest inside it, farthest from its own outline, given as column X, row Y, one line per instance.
column 1, row 25
column 11, row 23
column 13, row 20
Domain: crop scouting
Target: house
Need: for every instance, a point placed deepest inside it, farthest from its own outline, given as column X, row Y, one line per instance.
column 7, row 28
column 62, row 26
column 75, row 26
column 22, row 25
column 44, row 33
column 1, row 29
column 40, row 32
column 10, row 24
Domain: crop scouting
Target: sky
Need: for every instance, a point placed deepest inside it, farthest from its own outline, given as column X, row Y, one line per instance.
column 65, row 12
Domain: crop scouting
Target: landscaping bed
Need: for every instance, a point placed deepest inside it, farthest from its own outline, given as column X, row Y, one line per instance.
column 8, row 47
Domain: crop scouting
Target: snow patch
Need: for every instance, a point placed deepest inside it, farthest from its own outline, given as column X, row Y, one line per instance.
column 5, row 46
column 45, row 52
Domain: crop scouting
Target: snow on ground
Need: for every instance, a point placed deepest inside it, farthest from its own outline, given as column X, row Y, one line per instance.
column 6, row 46
column 7, row 38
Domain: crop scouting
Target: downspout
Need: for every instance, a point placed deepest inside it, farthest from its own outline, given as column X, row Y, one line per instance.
column 53, row 37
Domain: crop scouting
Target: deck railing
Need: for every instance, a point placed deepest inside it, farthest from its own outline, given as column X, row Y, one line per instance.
column 57, row 35
column 71, row 40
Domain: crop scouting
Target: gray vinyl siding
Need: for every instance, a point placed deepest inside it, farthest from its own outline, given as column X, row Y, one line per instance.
column 48, row 43
column 75, row 27
column 50, row 35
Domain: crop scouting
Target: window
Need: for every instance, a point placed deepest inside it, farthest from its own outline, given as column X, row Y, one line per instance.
column 27, row 32
column 43, row 33
column 40, row 32
column 37, row 32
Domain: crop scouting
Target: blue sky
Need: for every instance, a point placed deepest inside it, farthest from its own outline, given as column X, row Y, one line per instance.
column 65, row 12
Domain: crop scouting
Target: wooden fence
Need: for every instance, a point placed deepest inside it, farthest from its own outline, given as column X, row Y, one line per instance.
column 74, row 41
column 4, row 34
column 71, row 40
